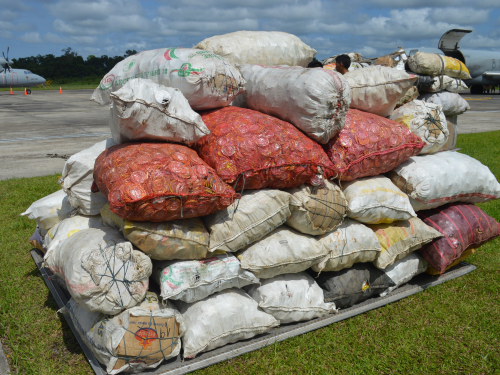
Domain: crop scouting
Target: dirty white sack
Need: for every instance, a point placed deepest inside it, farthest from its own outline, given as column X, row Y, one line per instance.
column 291, row 298
column 447, row 83
column 453, row 104
column 314, row 100
column 434, row 64
column 404, row 270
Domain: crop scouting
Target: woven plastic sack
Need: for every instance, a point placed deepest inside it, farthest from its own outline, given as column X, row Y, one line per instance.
column 446, row 83
column 49, row 210
column 282, row 251
column 354, row 56
column 452, row 138
column 252, row 150
column 463, row 226
column 291, row 298
column 102, row 271
column 248, row 219
column 376, row 200
column 432, row 271
column 159, row 182
column 410, row 95
column 426, row 120
column 370, row 145
column 317, row 210
column 423, row 82
column 137, row 339
column 143, row 110
column 377, row 89
column 204, row 78
column 352, row 243
column 433, row 180
column 260, row 47
column 404, row 270
column 222, row 318
column 176, row 239
column 353, row 285
column 193, row 280
column 433, row 64
column 77, row 179
column 401, row 238
column 314, row 100
column 69, row 226
column 451, row 103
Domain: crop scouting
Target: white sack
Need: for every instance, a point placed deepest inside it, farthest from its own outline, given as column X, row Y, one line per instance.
column 404, row 270
column 291, row 298
column 446, row 83
column 116, row 341
column 143, row 110
column 374, row 200
column 220, row 319
column 453, row 104
column 248, row 219
column 282, row 251
column 317, row 210
column 352, row 243
column 377, row 89
column 193, row 280
column 69, row 226
column 49, row 210
column 433, row 180
column 354, row 56
column 78, row 176
column 206, row 79
column 426, row 120
column 314, row 100
column 434, row 64
column 102, row 271
column 260, row 47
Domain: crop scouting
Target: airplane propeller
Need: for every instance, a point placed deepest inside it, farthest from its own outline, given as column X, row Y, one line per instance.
column 7, row 66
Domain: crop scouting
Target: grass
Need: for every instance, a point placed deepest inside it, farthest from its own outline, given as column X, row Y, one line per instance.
column 452, row 328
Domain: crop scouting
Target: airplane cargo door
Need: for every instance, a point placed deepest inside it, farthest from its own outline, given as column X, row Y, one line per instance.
column 15, row 79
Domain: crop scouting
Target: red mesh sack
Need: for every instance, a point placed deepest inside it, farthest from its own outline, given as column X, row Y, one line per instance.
column 252, row 150
column 463, row 226
column 159, row 182
column 370, row 145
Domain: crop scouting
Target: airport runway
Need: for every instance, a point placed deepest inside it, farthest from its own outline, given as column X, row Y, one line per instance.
column 39, row 131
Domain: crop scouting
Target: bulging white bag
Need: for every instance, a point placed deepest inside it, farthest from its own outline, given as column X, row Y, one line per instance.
column 317, row 210
column 377, row 89
column 193, row 280
column 446, row 83
column 434, row 64
column 260, row 47
column 282, row 251
column 143, row 110
column 314, row 100
column 248, row 219
column 291, row 298
column 453, row 104
column 204, row 78
column 404, row 270
column 433, row 180
column 135, row 340
column 220, row 319
column 351, row 243
column 49, row 210
column 102, row 271
column 426, row 120
column 78, row 176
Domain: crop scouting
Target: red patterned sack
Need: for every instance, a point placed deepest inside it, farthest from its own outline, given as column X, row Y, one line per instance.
column 159, row 182
column 252, row 150
column 370, row 145
column 463, row 226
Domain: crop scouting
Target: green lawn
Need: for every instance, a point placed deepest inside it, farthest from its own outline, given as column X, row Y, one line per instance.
column 450, row 328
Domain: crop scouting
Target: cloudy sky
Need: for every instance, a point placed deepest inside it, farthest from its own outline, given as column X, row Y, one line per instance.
column 369, row 27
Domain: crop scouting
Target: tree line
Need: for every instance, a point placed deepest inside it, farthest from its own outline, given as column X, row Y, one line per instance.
column 69, row 65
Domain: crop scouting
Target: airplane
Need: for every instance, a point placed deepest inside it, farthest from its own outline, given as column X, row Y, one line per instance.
column 484, row 66
column 17, row 77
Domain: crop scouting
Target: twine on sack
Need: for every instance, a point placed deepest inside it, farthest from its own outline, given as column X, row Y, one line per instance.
column 330, row 206
column 242, row 174
column 433, row 125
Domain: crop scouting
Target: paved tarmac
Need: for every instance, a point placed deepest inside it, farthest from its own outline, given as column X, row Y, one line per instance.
column 39, row 131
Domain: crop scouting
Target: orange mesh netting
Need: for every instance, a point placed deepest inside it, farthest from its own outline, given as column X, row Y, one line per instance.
column 159, row 182
column 251, row 150
column 370, row 145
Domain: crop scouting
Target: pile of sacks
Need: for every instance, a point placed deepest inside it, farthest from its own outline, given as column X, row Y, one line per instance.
column 301, row 199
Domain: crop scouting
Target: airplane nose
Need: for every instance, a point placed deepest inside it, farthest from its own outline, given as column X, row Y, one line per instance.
column 41, row 79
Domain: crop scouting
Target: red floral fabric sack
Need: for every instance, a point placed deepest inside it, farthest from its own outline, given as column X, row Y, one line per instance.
column 463, row 226
column 370, row 145
column 252, row 150
column 159, row 182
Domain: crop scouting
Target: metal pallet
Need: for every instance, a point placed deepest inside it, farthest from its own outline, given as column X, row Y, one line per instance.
column 176, row 366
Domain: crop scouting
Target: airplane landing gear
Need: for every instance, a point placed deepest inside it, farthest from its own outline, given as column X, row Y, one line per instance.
column 28, row 91
column 476, row 89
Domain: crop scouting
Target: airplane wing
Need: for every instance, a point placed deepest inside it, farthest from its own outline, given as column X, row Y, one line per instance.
column 491, row 75
column 451, row 38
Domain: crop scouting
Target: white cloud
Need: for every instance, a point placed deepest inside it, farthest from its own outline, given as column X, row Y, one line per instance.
column 31, row 38
column 465, row 16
